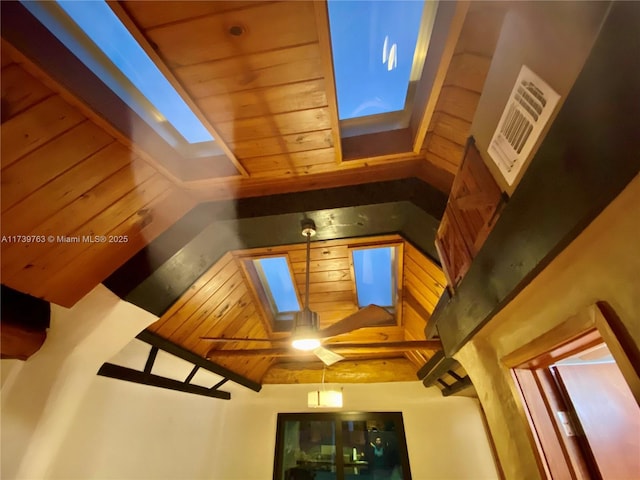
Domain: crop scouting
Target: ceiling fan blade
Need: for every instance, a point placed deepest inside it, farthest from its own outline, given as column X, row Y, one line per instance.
column 365, row 317
column 327, row 356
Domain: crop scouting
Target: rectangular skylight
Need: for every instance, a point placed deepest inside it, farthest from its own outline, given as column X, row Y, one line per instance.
column 375, row 276
column 373, row 44
column 276, row 280
column 94, row 33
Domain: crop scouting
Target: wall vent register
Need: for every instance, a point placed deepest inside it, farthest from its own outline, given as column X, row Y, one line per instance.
column 528, row 110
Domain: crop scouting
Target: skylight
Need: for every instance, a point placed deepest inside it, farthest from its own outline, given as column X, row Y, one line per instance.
column 375, row 277
column 374, row 45
column 93, row 32
column 276, row 280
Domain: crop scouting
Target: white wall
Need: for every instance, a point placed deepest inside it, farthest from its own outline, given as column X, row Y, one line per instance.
column 129, row 431
column 62, row 421
column 40, row 396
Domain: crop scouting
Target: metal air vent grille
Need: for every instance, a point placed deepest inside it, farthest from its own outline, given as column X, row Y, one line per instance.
column 527, row 112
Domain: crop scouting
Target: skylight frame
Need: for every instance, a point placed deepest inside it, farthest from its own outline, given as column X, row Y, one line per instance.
column 78, row 42
column 399, row 119
column 395, row 272
column 281, row 320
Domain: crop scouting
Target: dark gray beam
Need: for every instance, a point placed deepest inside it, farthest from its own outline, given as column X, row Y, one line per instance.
column 457, row 387
column 144, row 378
column 168, row 282
column 435, row 359
column 440, row 369
column 170, row 347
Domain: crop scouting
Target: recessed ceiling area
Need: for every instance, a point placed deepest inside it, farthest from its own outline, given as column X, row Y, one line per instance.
column 224, row 302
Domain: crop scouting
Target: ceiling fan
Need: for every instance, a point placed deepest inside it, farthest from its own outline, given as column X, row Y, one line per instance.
column 308, row 337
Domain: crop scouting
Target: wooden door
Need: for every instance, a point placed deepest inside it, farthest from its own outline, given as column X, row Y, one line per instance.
column 608, row 416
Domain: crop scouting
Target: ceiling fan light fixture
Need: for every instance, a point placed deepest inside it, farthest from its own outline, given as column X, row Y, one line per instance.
column 305, row 335
column 305, row 343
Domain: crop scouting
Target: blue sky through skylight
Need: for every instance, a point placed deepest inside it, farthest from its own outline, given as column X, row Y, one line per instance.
column 278, row 277
column 104, row 28
column 373, row 268
column 373, row 46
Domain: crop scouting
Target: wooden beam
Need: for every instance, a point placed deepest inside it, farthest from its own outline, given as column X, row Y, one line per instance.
column 345, row 371
column 342, row 348
column 430, row 365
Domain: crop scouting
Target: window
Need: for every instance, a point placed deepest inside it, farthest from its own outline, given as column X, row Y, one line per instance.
column 279, row 290
column 378, row 50
column 324, row 446
column 375, row 276
column 109, row 50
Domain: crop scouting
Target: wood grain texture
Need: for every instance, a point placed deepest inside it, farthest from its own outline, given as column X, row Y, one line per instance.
column 269, row 94
column 64, row 178
column 225, row 302
column 355, row 371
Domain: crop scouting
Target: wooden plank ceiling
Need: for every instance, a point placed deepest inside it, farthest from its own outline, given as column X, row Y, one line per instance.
column 260, row 74
column 224, row 303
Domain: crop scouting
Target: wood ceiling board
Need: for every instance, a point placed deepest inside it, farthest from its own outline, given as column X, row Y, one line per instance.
column 446, row 165
column 213, row 311
column 242, row 323
column 97, row 263
column 192, row 302
column 235, row 313
column 446, row 149
column 73, row 218
column 36, row 126
column 468, row 70
column 197, row 292
column 264, row 101
column 458, row 102
column 125, row 217
column 309, row 161
column 34, row 170
column 413, row 323
column 20, row 90
column 452, row 128
column 23, row 217
column 282, row 66
column 275, row 125
column 266, row 26
column 297, row 142
column 152, row 14
column 429, row 286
